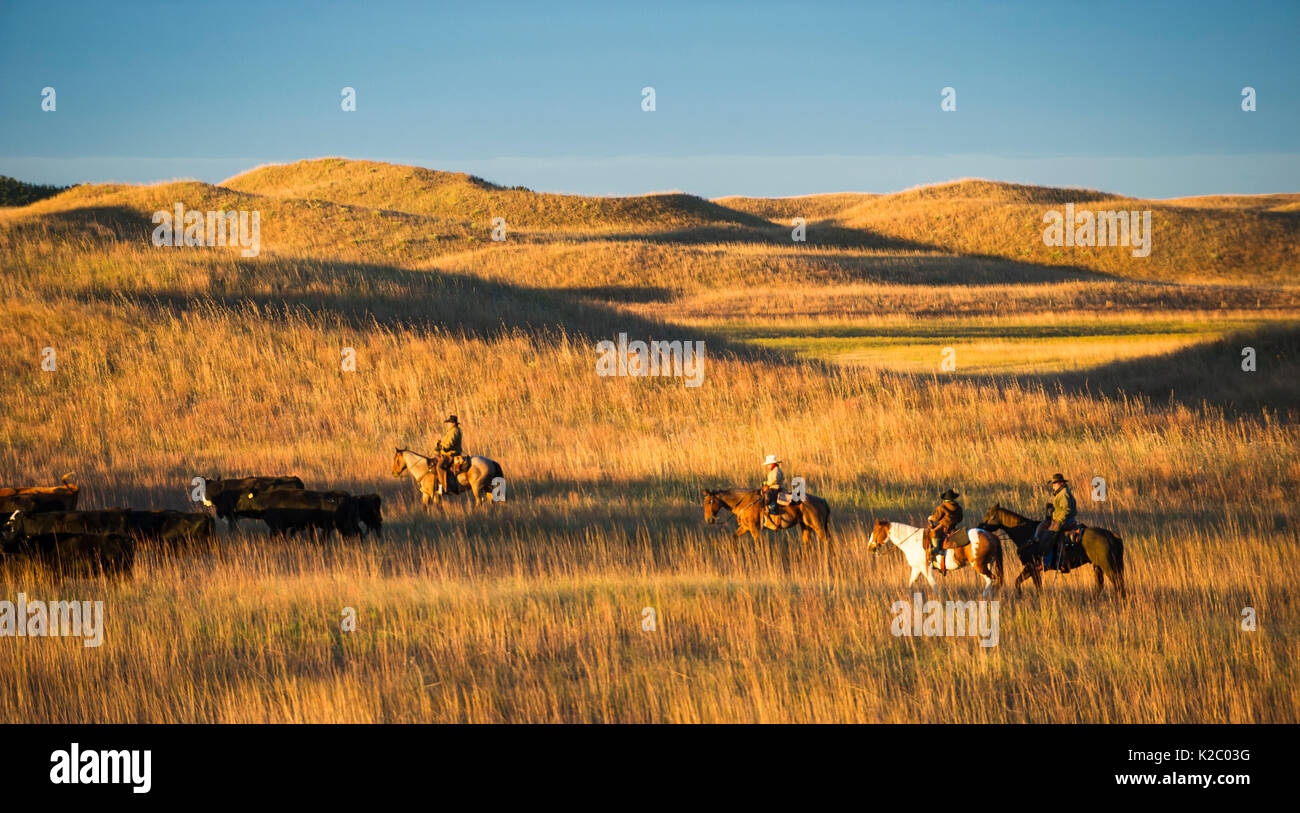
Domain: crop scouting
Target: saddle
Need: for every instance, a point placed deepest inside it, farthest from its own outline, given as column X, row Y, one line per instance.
column 956, row 538
column 1073, row 532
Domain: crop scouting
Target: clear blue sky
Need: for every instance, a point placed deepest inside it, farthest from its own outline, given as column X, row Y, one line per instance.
column 753, row 98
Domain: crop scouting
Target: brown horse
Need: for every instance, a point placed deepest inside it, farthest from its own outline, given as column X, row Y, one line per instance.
column 812, row 515
column 1102, row 548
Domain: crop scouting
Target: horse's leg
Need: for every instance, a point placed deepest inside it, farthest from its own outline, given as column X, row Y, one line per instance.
column 1115, row 563
column 981, row 565
column 817, row 522
column 1026, row 572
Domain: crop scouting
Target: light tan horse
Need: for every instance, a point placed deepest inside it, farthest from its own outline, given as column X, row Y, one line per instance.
column 812, row 515
column 421, row 470
column 477, row 474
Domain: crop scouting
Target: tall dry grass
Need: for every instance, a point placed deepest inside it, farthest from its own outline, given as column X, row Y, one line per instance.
column 172, row 364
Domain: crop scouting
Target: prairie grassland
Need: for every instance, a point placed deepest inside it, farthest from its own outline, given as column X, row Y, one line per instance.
column 1033, row 343
column 173, row 363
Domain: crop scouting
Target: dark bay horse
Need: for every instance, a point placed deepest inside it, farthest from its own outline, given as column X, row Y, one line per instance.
column 812, row 515
column 1103, row 548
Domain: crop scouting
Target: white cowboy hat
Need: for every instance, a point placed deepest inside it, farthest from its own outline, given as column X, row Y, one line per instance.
column 770, row 459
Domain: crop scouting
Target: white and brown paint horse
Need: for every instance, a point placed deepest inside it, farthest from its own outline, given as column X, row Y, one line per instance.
column 983, row 552
column 476, row 473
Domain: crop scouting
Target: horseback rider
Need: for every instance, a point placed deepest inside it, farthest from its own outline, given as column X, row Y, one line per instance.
column 773, row 484
column 944, row 521
column 448, row 448
column 1063, row 512
column 450, row 441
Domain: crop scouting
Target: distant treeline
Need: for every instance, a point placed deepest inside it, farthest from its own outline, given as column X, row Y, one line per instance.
column 14, row 192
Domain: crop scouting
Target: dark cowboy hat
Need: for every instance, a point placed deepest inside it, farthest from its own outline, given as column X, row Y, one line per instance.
column 1058, row 478
column 450, row 419
column 949, row 495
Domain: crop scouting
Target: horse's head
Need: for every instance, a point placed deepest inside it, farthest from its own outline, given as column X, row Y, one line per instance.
column 879, row 535
column 399, row 463
column 713, row 505
column 992, row 518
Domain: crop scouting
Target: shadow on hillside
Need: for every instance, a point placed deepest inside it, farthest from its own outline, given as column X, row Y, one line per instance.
column 1209, row 373
column 627, row 295
column 106, row 223
column 361, row 296
column 768, row 234
column 117, row 223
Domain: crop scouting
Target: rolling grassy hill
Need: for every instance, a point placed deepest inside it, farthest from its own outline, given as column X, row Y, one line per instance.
column 463, row 197
column 1205, row 241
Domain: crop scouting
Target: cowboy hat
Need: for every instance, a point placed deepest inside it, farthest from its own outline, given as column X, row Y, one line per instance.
column 450, row 419
column 1058, row 478
column 949, row 495
column 770, row 459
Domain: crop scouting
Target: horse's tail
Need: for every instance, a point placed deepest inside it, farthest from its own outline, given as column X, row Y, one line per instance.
column 826, row 518
column 997, row 558
column 824, row 509
column 1116, row 553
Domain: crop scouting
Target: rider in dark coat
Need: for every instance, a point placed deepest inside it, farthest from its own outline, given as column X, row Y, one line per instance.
column 944, row 520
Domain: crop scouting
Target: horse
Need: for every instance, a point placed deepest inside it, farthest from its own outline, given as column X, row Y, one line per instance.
column 421, row 470
column 475, row 473
column 983, row 553
column 1102, row 548
column 812, row 515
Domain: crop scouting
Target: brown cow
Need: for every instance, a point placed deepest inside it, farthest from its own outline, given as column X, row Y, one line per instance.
column 41, row 498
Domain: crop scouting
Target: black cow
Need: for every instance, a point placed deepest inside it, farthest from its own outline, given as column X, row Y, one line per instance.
column 288, row 511
column 370, row 512
column 79, row 553
column 224, row 494
column 163, row 526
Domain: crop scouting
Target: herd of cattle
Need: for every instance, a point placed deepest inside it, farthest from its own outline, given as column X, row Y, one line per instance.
column 43, row 522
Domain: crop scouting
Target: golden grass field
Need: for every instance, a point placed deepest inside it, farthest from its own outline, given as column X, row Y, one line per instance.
column 176, row 362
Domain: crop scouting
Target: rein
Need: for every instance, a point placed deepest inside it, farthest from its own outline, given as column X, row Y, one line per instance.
column 899, row 542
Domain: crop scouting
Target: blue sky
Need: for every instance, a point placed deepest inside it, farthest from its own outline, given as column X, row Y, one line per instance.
column 753, row 98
